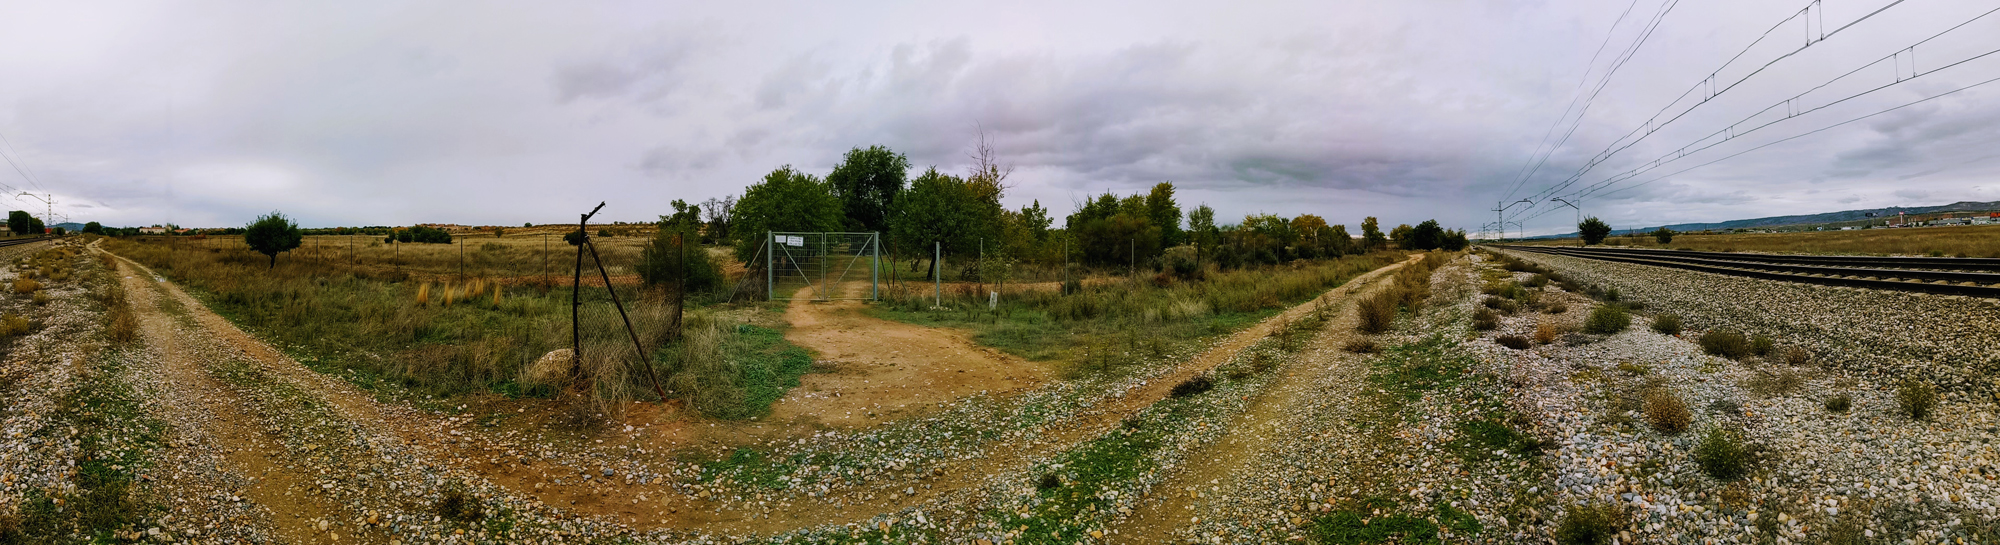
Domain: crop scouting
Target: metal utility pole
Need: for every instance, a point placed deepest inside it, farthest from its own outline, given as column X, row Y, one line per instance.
column 875, row 270
column 48, row 215
column 1579, row 209
column 1500, row 215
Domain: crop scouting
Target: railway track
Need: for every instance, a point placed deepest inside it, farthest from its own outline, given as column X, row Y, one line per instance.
column 1976, row 277
column 19, row 241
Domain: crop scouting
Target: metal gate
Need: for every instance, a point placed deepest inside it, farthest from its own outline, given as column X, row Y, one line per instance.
column 823, row 266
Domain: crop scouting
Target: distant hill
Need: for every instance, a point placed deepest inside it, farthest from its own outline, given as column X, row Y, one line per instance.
column 69, row 226
column 1810, row 219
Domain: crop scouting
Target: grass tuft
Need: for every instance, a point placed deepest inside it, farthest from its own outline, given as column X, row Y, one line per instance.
column 1594, row 524
column 1723, row 455
column 1546, row 332
column 1607, row 320
column 1725, row 343
column 1918, row 399
column 459, row 506
column 1839, row 403
column 1193, row 386
column 1516, row 342
column 1667, row 324
column 1362, row 346
column 1484, row 319
column 1666, row 412
column 1762, row 345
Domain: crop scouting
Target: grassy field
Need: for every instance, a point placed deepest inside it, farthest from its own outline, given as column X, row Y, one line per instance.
column 401, row 320
column 1957, row 241
column 1109, row 323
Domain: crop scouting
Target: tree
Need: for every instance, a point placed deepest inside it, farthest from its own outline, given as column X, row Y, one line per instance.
column 35, row 226
column 19, row 222
column 1164, row 214
column 60, row 231
column 1593, row 230
column 717, row 212
column 1037, row 220
column 867, row 183
column 785, row 200
column 499, row 232
column 1664, row 235
column 272, row 233
column 686, row 217
column 1454, row 240
column 1401, row 236
column 1201, row 228
column 947, row 212
column 664, row 260
column 1427, row 236
column 93, row 228
column 1371, row 235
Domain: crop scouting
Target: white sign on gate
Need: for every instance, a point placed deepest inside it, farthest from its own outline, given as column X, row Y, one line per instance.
column 789, row 240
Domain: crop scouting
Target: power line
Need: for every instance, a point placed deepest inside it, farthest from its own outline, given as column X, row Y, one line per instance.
column 1521, row 177
column 1788, row 139
column 1793, row 110
column 1624, row 57
column 22, row 166
column 1708, row 87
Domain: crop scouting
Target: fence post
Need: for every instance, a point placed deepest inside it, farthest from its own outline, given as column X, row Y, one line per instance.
column 823, row 253
column 937, row 273
column 770, row 278
column 875, row 270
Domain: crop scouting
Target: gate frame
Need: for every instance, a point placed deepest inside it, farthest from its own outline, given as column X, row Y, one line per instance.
column 872, row 249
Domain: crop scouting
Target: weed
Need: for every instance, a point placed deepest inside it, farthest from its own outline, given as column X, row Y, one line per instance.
column 1594, row 524
column 1918, row 399
column 12, row 325
column 1048, row 482
column 1612, row 295
column 1516, row 342
column 1633, row 369
column 1378, row 311
column 1192, row 386
column 1485, row 320
column 1666, row 412
column 1537, row 281
column 1776, row 383
column 1723, row 455
column 1503, row 305
column 1796, row 356
column 1478, row 438
column 1839, row 403
column 26, row 285
column 41, row 298
column 1725, row 343
column 1606, row 320
column 1667, row 324
column 1546, row 332
column 1762, row 345
column 1411, row 370
column 1362, row 346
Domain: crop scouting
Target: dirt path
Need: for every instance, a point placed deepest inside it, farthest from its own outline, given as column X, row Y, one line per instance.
column 885, row 369
column 1256, row 429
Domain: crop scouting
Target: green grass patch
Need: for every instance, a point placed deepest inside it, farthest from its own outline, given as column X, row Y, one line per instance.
column 1351, row 527
column 769, row 366
column 1408, row 371
column 115, row 441
column 1478, row 439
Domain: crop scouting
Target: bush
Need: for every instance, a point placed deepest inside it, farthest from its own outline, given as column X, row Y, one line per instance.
column 11, row 325
column 1546, row 332
column 1362, row 346
column 459, row 506
column 1537, row 281
column 1796, row 356
column 1505, row 306
column 1516, row 342
column 1667, row 324
column 1192, row 386
column 1723, row 455
column 1762, row 345
column 1485, row 320
column 1592, row 524
column 1725, row 343
column 1839, row 403
column 1666, row 412
column 1917, row 398
column 1606, row 320
column 665, row 262
column 26, row 285
column 1378, row 312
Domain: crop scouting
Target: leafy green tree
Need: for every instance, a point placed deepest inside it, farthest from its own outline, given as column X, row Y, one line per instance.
column 272, row 233
column 1339, row 243
column 1371, row 235
column 1113, row 231
column 785, row 200
column 867, row 182
column 60, row 231
column 1037, row 220
column 93, row 228
column 1664, row 235
column 1454, row 240
column 1401, row 236
column 1593, row 230
column 941, row 209
column 1201, row 228
column 686, row 216
column 1427, row 236
column 35, row 226
column 1165, row 214
column 665, row 262
column 19, row 222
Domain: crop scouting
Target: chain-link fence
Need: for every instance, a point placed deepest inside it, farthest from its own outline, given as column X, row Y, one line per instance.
column 823, row 266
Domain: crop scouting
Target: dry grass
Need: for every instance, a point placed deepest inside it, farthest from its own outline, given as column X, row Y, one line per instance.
column 1666, row 412
column 1362, row 346
column 1971, row 241
column 1546, row 332
column 12, row 325
column 1779, row 382
column 26, row 285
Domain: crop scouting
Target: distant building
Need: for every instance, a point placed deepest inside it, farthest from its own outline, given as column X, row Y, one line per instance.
column 154, row 230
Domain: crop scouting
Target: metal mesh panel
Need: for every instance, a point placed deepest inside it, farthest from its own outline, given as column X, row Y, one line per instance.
column 823, row 266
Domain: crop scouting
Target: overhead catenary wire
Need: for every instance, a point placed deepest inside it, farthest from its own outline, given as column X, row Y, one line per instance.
column 1623, row 57
column 1521, row 177
column 1707, row 84
column 1793, row 108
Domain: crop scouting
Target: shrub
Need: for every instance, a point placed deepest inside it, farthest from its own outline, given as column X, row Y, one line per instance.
column 1917, row 398
column 1796, row 356
column 26, row 285
column 1505, row 306
column 1192, row 386
column 1839, row 403
column 459, row 506
column 1485, row 320
column 41, row 298
column 1612, row 296
column 1546, row 332
column 1516, row 342
column 1362, row 346
column 1593, row 524
column 1723, row 455
column 1725, row 343
column 1378, row 311
column 1666, row 412
column 1606, row 320
column 12, row 325
column 1762, row 345
column 1537, row 281
column 1667, row 324
column 665, row 261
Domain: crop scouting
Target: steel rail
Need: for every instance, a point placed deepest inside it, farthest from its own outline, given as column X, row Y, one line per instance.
column 1933, row 263
column 1982, row 284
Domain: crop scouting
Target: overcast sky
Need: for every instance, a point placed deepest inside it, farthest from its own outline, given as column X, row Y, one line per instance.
column 360, row 113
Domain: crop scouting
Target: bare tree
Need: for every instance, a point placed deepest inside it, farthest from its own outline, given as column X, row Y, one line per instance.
column 986, row 163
